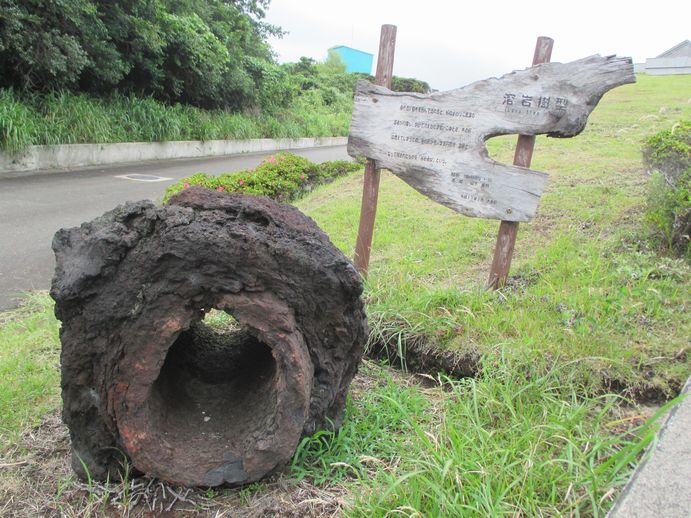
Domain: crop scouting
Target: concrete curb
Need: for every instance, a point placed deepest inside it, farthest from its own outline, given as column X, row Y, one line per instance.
column 68, row 156
column 661, row 485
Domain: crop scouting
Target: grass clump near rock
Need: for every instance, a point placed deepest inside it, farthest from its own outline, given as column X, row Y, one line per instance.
column 282, row 177
column 667, row 155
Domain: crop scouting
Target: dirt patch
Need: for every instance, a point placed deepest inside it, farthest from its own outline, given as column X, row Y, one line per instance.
column 36, row 480
column 36, row 473
column 418, row 356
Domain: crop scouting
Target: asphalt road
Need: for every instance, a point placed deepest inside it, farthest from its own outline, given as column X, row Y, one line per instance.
column 34, row 206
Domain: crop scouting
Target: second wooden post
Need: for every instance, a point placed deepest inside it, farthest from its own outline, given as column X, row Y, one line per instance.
column 370, row 189
column 508, row 230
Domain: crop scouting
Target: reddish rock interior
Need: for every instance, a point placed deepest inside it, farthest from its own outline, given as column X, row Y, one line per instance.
column 214, row 393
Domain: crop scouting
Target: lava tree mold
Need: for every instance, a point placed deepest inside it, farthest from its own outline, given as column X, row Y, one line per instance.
column 145, row 381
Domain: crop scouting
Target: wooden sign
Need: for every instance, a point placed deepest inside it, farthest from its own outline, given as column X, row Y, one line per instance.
column 436, row 142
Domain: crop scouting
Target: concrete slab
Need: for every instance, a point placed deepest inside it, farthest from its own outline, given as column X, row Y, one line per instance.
column 69, row 156
column 661, row 485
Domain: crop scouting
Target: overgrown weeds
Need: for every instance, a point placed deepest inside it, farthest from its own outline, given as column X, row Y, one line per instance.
column 508, row 442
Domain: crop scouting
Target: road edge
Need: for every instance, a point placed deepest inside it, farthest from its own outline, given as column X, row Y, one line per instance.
column 69, row 156
column 660, row 484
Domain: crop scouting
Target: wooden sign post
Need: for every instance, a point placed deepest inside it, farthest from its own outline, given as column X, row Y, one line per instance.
column 508, row 230
column 370, row 188
column 436, row 142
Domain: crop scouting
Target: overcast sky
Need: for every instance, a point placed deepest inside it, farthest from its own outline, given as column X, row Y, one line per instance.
column 452, row 43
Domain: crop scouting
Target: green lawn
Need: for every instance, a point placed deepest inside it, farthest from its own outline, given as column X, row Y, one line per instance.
column 591, row 319
column 29, row 372
column 586, row 285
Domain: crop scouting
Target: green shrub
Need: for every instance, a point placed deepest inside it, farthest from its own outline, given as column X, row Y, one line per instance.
column 282, row 177
column 329, row 171
column 408, row 84
column 668, row 156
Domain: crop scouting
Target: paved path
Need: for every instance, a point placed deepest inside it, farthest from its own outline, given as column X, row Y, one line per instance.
column 661, row 486
column 34, row 206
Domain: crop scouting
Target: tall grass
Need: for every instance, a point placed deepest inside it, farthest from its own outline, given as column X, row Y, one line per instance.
column 508, row 443
column 17, row 122
column 67, row 118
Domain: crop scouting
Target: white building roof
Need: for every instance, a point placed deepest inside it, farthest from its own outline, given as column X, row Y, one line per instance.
column 683, row 49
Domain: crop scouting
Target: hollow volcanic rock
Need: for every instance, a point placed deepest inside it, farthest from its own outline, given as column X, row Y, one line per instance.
column 146, row 381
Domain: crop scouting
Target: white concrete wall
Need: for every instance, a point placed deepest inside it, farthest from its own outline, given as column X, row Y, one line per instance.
column 68, row 156
column 668, row 66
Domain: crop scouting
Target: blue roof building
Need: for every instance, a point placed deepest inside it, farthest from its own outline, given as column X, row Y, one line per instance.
column 355, row 60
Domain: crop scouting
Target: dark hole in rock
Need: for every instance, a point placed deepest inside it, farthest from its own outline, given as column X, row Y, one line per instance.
column 215, row 389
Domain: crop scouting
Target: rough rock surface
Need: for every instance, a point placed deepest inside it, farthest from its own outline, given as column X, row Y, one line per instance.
column 144, row 378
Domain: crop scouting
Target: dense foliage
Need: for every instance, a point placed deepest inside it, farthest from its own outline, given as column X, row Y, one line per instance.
column 309, row 74
column 303, row 99
column 282, row 177
column 95, row 71
column 667, row 155
column 209, row 53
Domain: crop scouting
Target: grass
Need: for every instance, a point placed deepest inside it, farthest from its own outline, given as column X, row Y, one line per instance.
column 29, row 371
column 503, row 444
column 592, row 323
column 586, row 286
column 66, row 118
column 510, row 442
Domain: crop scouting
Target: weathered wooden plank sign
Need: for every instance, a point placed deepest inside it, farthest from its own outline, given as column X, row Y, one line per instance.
column 436, row 142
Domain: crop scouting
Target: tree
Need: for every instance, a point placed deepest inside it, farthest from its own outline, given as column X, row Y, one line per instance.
column 202, row 52
column 48, row 44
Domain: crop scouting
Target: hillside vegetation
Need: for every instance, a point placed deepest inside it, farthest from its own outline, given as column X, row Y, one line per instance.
column 94, row 71
column 586, row 285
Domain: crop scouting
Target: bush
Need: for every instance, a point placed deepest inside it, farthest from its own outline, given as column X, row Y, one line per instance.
column 282, row 177
column 408, row 84
column 329, row 171
column 667, row 156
